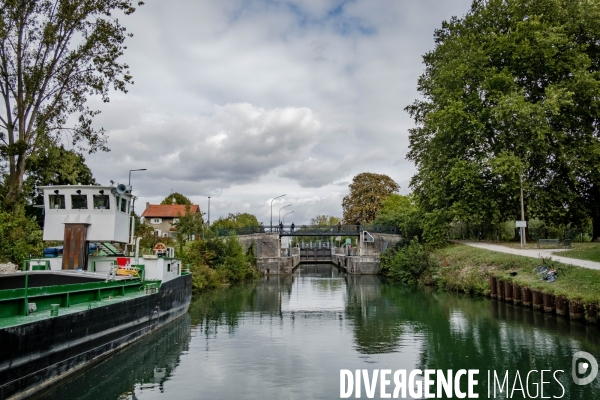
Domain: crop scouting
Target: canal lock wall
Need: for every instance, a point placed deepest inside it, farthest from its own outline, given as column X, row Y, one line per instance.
column 513, row 293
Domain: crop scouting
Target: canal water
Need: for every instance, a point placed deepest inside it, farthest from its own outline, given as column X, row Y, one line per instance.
column 289, row 337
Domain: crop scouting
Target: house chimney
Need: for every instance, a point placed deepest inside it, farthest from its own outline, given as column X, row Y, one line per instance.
column 174, row 200
column 147, row 205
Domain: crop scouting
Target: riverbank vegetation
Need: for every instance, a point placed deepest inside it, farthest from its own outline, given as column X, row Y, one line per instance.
column 218, row 261
column 466, row 269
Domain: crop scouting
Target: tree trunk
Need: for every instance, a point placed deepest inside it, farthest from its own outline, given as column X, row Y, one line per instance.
column 596, row 228
column 15, row 183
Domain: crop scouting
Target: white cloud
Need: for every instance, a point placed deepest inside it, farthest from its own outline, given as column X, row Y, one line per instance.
column 239, row 99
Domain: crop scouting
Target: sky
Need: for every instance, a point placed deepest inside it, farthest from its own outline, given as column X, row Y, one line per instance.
column 246, row 100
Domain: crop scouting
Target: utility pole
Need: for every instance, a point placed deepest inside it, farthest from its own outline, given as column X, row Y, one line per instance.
column 523, row 240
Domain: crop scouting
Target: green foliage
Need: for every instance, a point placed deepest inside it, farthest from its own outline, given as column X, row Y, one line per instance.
column 53, row 165
column 325, row 220
column 368, row 191
column 510, row 92
column 408, row 262
column 435, row 228
column 55, row 56
column 467, row 269
column 179, row 199
column 235, row 221
column 403, row 213
column 20, row 237
column 218, row 261
column 188, row 224
column 149, row 238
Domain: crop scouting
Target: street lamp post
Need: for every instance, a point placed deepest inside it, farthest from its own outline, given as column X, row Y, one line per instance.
column 289, row 205
column 133, row 170
column 285, row 215
column 272, row 210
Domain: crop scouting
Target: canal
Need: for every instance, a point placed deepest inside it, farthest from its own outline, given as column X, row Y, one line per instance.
column 289, row 337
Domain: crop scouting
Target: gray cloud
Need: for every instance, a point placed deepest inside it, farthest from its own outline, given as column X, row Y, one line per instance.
column 239, row 99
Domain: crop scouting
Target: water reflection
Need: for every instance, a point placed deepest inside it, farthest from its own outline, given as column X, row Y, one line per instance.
column 142, row 368
column 288, row 337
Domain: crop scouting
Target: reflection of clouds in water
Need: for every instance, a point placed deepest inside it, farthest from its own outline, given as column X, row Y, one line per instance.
column 458, row 322
column 316, row 294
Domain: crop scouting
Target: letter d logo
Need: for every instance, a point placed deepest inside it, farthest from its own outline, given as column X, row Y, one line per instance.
column 582, row 367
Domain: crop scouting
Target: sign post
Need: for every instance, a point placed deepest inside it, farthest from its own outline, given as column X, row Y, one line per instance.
column 522, row 225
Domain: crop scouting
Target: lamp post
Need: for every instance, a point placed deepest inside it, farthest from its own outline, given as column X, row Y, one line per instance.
column 285, row 215
column 289, row 205
column 272, row 210
column 133, row 170
column 208, row 210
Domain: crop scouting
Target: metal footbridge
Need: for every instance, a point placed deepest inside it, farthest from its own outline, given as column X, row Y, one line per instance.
column 312, row 230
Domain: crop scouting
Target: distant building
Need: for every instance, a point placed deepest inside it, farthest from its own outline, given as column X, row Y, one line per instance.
column 162, row 217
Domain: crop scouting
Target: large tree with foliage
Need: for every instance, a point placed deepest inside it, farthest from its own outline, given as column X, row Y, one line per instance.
column 368, row 191
column 510, row 99
column 177, row 198
column 54, row 55
column 235, row 221
column 188, row 225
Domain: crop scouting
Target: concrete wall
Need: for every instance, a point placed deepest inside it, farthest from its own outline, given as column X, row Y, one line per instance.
column 361, row 265
column 266, row 243
column 376, row 248
column 277, row 265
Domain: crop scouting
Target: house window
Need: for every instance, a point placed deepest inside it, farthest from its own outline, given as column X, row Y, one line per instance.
column 79, row 202
column 101, row 202
column 123, row 204
column 57, row 201
column 155, row 220
column 166, row 234
column 168, row 267
column 175, row 220
column 157, row 232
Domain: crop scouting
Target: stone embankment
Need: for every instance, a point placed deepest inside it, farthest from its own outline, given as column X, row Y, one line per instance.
column 7, row 268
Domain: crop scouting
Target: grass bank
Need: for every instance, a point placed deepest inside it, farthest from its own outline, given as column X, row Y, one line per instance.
column 467, row 269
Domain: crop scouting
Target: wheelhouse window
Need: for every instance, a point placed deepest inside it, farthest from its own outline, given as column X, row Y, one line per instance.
column 57, row 201
column 79, row 202
column 124, row 204
column 101, row 202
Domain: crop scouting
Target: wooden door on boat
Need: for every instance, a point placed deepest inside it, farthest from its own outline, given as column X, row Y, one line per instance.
column 75, row 247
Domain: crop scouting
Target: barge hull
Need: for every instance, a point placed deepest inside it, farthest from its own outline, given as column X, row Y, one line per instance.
column 36, row 355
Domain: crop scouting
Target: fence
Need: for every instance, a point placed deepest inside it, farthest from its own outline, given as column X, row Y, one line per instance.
column 507, row 232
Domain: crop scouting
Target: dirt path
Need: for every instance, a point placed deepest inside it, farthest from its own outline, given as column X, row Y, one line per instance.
column 533, row 253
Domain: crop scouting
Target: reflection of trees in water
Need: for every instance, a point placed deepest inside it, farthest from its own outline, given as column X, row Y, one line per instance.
column 212, row 309
column 456, row 332
column 468, row 333
column 377, row 323
column 146, row 364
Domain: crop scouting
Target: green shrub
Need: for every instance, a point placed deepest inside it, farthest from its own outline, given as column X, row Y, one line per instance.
column 20, row 237
column 217, row 261
column 409, row 263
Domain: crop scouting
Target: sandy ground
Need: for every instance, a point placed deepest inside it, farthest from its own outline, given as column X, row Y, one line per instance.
column 534, row 253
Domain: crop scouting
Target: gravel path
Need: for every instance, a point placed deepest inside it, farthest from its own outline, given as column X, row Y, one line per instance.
column 533, row 253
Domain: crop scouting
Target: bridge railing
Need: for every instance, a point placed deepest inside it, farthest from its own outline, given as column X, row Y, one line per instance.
column 312, row 230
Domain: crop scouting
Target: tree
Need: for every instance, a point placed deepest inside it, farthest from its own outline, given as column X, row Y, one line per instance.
column 235, row 221
column 53, row 165
column 179, row 199
column 54, row 55
column 403, row 213
column 188, row 224
column 325, row 220
column 367, row 193
column 510, row 101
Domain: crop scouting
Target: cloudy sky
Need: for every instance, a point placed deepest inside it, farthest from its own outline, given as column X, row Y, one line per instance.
column 245, row 100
